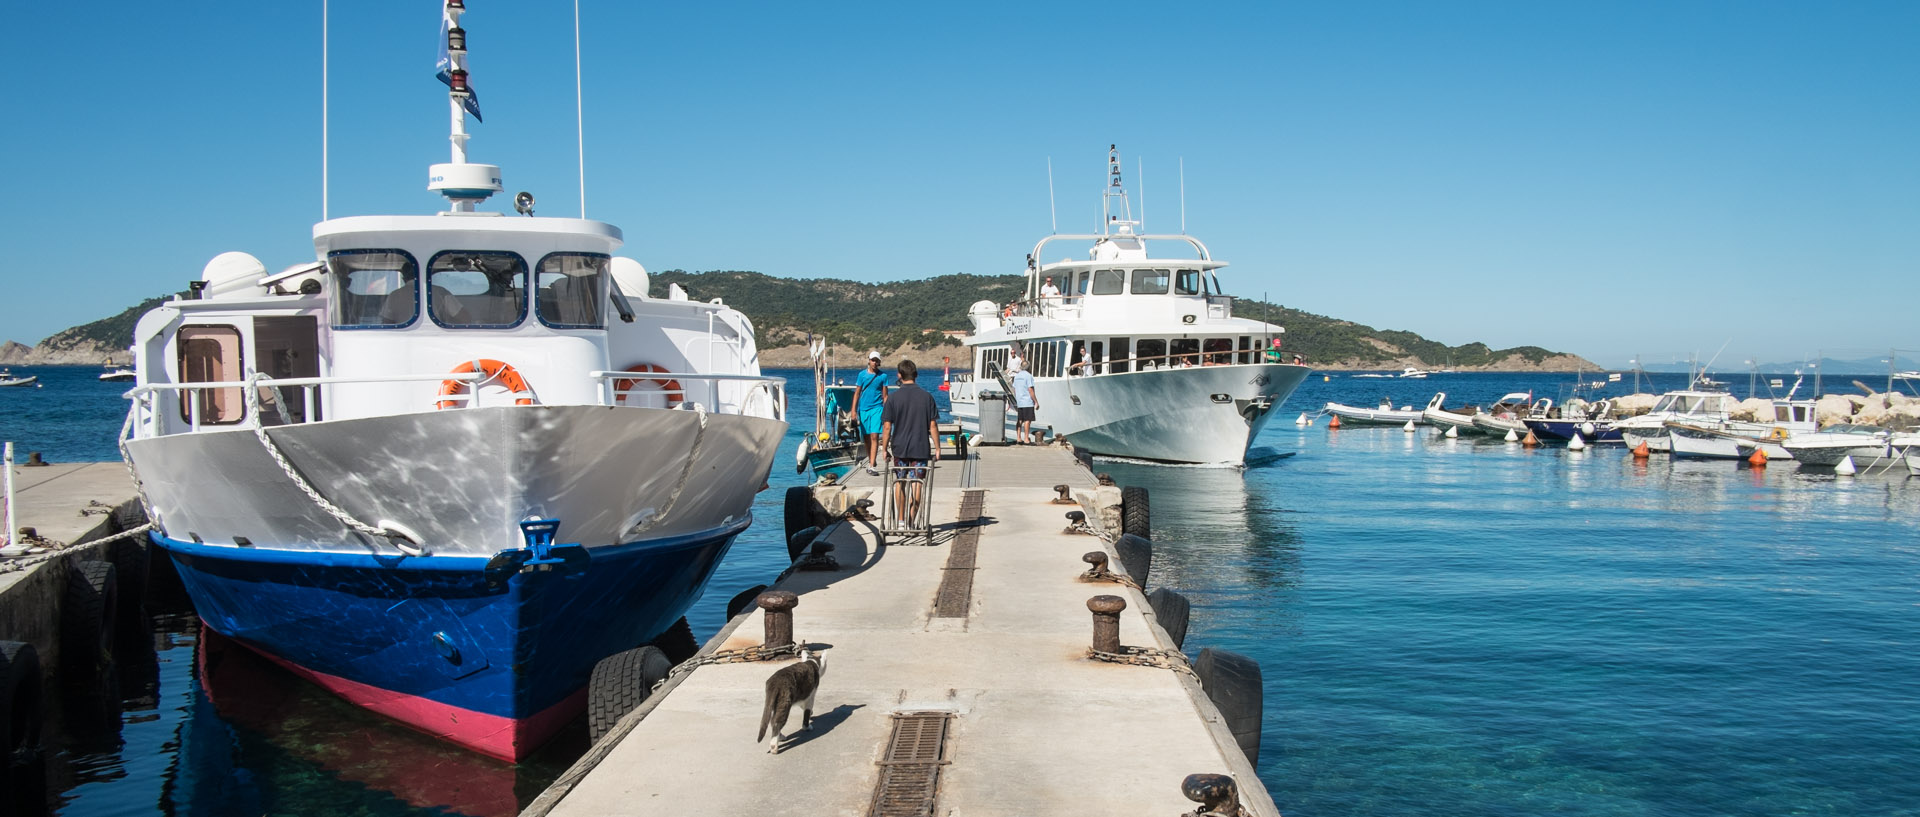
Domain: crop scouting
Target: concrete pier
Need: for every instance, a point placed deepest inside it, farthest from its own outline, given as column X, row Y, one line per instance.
column 1023, row 721
column 71, row 504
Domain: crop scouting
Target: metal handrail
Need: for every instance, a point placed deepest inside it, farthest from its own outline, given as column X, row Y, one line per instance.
column 1130, row 360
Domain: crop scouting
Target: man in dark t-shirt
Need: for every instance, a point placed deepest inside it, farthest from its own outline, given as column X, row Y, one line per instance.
column 909, row 431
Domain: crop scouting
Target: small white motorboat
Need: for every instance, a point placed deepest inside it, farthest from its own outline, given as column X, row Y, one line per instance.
column 7, row 379
column 1459, row 417
column 1383, row 415
column 1510, row 413
column 1414, row 373
column 119, row 374
column 1869, row 446
column 1690, row 406
column 1737, row 439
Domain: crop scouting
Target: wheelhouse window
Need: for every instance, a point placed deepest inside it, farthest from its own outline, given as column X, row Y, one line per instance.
column 1150, row 281
column 1187, row 282
column 211, row 354
column 1109, row 281
column 1121, row 358
column 374, row 289
column 1152, row 354
column 1219, row 351
column 572, row 288
column 477, row 289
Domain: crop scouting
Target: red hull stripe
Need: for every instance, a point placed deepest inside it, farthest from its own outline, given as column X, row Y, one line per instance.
column 495, row 736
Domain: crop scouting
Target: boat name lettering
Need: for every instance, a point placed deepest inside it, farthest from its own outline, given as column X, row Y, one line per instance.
column 1019, row 328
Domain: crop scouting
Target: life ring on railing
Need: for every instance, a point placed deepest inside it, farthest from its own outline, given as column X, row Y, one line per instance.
column 670, row 388
column 496, row 372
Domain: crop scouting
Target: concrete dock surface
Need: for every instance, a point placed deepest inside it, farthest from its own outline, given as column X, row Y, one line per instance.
column 51, row 497
column 1037, row 727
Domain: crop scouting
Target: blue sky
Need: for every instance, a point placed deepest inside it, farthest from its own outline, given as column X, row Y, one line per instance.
column 1602, row 178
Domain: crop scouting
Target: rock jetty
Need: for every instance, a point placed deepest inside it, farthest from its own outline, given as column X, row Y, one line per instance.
column 1889, row 409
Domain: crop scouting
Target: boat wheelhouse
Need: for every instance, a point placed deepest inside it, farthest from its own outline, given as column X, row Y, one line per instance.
column 452, row 462
column 1132, row 355
column 1695, row 406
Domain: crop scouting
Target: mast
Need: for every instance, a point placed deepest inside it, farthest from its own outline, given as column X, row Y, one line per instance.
column 465, row 184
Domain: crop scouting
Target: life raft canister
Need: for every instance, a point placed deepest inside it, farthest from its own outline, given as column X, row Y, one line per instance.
column 670, row 388
column 496, row 372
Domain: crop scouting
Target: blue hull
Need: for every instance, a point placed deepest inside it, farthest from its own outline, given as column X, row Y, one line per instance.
column 1563, row 430
column 495, row 662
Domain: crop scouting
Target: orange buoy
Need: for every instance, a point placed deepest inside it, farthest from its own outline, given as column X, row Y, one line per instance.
column 1759, row 458
column 497, row 372
column 1335, row 423
column 671, row 389
column 1641, row 452
column 1529, row 440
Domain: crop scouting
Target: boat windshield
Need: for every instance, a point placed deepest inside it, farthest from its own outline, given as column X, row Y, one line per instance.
column 374, row 289
column 572, row 287
column 1855, row 428
column 477, row 289
column 1151, row 281
column 1109, row 281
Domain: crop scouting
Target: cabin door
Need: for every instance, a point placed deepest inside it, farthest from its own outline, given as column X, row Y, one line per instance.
column 286, row 347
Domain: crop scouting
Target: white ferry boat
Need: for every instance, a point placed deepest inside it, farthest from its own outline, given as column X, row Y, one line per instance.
column 1132, row 355
column 450, row 462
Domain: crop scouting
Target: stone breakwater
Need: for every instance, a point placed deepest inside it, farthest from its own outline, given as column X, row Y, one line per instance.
column 1891, row 409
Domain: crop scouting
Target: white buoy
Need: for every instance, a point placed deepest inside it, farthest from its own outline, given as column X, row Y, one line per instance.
column 1408, row 426
column 1845, row 468
column 1453, row 432
column 1576, row 444
column 1512, row 437
column 1303, row 421
column 1587, row 428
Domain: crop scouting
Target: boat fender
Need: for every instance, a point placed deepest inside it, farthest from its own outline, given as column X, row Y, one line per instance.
column 670, row 388
column 743, row 601
column 86, row 616
column 1587, row 428
column 677, row 642
column 20, row 694
column 1171, row 609
column 1453, row 432
column 798, row 542
column 801, row 511
column 619, row 683
column 1758, row 459
column 1846, row 467
column 1136, row 514
column 800, row 455
column 132, row 562
column 496, row 372
column 1136, row 556
column 1576, row 444
column 1232, row 681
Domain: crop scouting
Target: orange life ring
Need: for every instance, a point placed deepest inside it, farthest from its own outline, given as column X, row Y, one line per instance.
column 670, row 388
column 496, row 372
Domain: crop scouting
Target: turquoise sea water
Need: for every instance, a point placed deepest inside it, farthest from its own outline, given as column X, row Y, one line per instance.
column 1446, row 627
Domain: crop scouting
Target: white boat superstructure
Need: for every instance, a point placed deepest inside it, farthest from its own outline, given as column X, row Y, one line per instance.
column 1132, row 355
column 1738, row 439
column 1693, row 406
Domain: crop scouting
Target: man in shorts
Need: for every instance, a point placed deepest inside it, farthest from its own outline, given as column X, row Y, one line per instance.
column 910, row 433
column 871, row 386
column 1025, row 402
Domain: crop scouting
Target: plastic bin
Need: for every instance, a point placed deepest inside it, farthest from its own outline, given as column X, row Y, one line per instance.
column 993, row 419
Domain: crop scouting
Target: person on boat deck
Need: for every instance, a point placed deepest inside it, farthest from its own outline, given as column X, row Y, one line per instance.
column 1025, row 401
column 1048, row 290
column 910, row 433
column 871, row 385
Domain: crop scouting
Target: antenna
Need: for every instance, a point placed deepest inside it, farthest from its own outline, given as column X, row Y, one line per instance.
column 1183, row 195
column 579, row 116
column 324, row 176
column 465, row 184
column 1140, row 171
column 1052, row 213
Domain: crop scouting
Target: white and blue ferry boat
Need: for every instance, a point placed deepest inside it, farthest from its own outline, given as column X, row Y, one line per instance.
column 452, row 462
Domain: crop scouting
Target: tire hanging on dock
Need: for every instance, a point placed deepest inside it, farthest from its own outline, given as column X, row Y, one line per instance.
column 20, row 704
column 743, row 600
column 619, row 683
column 1136, row 515
column 87, row 615
column 678, row 642
column 799, row 510
column 1136, row 557
column 1232, row 681
column 1172, row 610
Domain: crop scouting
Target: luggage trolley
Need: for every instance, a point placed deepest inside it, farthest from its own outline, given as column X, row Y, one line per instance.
column 899, row 525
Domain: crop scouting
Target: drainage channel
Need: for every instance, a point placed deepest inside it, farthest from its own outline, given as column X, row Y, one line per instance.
column 910, row 770
column 955, row 597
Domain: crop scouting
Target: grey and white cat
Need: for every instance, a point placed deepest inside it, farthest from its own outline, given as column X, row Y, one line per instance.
column 790, row 686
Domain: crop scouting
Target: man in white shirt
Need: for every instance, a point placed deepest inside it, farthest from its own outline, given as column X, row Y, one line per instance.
column 1025, row 401
column 1048, row 290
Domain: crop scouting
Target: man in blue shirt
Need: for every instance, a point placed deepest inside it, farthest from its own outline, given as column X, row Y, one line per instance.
column 1025, row 402
column 871, row 385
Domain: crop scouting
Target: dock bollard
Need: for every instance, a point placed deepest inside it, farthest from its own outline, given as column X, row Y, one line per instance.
column 779, row 605
column 1106, row 622
column 1217, row 794
column 1065, row 495
column 1098, row 560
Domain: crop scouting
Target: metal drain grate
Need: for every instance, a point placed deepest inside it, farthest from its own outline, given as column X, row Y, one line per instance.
column 955, row 598
column 910, row 770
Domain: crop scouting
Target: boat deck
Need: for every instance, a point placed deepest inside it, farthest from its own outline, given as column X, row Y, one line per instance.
column 1036, row 726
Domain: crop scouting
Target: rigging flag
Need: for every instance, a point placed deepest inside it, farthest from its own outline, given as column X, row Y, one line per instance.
column 445, row 65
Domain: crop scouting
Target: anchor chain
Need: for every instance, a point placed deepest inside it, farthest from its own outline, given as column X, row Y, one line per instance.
column 743, row 655
column 1108, row 576
column 1147, row 657
column 399, row 540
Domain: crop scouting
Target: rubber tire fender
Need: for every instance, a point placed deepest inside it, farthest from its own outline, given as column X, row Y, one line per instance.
column 21, row 696
column 1232, row 681
column 678, row 642
column 743, row 601
column 799, row 510
column 1136, row 556
column 798, row 542
column 619, row 683
column 1172, row 610
column 1136, row 514
column 87, row 614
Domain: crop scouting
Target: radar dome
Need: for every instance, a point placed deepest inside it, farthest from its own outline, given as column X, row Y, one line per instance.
column 985, row 315
column 631, row 277
column 233, row 275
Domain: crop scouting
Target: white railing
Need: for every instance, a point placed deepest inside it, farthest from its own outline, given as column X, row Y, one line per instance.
column 765, row 396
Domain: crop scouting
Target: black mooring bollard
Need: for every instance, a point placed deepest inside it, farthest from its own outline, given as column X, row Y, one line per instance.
column 779, row 605
column 1106, row 622
column 1217, row 794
